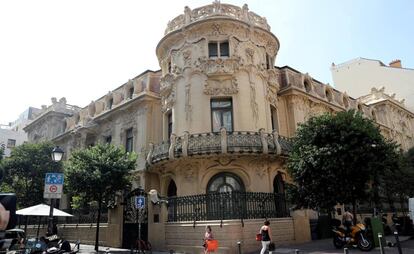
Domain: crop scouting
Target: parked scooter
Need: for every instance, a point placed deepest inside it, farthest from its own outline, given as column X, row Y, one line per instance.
column 357, row 236
column 63, row 247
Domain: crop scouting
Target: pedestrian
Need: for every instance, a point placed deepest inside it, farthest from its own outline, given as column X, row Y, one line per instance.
column 266, row 233
column 208, row 235
column 348, row 220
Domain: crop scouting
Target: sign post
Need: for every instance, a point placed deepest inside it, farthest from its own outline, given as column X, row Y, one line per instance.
column 53, row 189
column 140, row 206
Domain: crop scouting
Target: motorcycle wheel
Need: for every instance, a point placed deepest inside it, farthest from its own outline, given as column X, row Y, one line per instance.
column 364, row 244
column 338, row 243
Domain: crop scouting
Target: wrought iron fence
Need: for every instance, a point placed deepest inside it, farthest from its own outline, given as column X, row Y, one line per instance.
column 244, row 142
column 227, row 205
column 204, row 143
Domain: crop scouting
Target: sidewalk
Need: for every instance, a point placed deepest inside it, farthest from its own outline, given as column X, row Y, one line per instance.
column 324, row 246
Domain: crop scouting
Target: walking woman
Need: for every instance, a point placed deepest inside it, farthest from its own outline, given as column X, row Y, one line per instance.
column 208, row 235
column 266, row 233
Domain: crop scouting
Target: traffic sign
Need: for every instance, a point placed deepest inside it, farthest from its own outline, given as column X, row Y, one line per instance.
column 139, row 202
column 53, row 185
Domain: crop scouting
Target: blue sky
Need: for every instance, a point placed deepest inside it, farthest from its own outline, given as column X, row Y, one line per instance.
column 82, row 49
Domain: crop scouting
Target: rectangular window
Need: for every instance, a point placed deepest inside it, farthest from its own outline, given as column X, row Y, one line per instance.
column 11, row 143
column 273, row 114
column 218, row 49
column 221, row 114
column 108, row 139
column 212, row 49
column 129, row 140
column 224, row 49
column 169, row 124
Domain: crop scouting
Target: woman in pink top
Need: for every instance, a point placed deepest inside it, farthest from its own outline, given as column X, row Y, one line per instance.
column 207, row 236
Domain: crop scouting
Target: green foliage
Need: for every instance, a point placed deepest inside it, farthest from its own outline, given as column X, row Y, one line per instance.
column 98, row 172
column 335, row 158
column 398, row 183
column 26, row 168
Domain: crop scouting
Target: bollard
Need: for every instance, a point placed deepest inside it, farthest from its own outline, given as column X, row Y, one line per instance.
column 346, row 251
column 296, row 251
column 380, row 243
column 397, row 241
column 239, row 246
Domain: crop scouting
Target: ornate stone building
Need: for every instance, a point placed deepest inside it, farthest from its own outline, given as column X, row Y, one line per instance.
column 211, row 130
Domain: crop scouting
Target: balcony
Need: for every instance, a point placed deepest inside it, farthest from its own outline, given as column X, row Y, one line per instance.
column 223, row 142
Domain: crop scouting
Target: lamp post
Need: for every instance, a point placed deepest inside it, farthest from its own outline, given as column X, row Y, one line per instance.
column 57, row 154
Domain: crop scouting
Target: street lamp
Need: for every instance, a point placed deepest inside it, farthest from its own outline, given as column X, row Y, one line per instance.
column 57, row 154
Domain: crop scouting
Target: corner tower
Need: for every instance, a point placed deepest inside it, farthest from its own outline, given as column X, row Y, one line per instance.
column 217, row 71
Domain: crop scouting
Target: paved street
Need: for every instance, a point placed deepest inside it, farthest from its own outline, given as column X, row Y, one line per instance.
column 314, row 247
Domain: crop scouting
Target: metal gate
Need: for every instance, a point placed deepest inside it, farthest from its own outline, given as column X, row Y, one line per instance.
column 131, row 215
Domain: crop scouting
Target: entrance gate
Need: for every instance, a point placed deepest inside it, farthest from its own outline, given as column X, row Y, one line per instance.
column 130, row 231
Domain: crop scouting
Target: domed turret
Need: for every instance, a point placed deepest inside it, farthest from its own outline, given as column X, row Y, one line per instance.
column 217, row 71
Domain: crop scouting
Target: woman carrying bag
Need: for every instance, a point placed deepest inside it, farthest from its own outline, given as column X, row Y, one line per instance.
column 266, row 233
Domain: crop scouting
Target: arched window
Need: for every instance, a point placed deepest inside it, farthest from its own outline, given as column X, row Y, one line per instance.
column 328, row 94
column 278, row 184
column 308, row 87
column 131, row 92
column 374, row 115
column 172, row 189
column 172, row 194
column 225, row 182
column 224, row 197
column 345, row 102
column 280, row 201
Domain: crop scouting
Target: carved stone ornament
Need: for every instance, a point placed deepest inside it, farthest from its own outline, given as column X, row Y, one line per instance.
column 272, row 87
column 224, row 160
column 167, row 91
column 221, row 85
column 217, row 66
column 259, row 166
column 188, row 171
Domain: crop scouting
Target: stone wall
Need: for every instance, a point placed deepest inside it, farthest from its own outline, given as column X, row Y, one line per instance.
column 84, row 232
column 185, row 237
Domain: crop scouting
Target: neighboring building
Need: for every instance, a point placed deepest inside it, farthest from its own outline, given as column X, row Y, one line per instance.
column 9, row 139
column 211, row 130
column 51, row 121
column 12, row 135
column 359, row 75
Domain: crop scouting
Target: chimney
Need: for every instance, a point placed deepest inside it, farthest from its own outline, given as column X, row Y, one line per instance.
column 396, row 63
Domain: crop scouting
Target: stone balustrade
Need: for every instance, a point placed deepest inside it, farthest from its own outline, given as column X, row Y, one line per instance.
column 214, row 10
column 222, row 142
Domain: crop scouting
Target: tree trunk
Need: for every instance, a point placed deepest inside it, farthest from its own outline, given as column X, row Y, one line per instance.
column 97, row 225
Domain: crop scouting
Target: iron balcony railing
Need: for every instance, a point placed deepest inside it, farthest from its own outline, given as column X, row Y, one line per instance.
column 220, row 142
column 227, row 206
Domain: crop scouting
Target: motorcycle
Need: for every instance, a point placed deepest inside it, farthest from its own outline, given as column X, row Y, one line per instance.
column 357, row 236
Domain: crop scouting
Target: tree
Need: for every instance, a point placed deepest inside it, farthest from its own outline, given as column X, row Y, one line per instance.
column 335, row 158
column 398, row 184
column 97, row 173
column 25, row 171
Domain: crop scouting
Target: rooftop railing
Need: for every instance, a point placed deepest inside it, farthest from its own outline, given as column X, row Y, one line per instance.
column 217, row 9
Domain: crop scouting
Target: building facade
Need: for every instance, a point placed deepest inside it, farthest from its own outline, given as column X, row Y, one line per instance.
column 359, row 75
column 211, row 130
column 12, row 135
